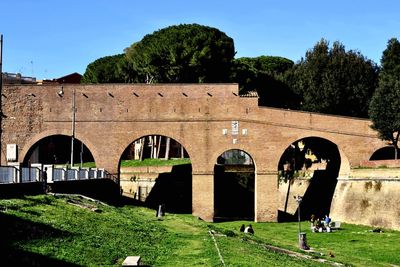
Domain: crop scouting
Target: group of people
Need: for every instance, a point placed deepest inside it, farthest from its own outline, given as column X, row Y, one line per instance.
column 247, row 230
column 320, row 225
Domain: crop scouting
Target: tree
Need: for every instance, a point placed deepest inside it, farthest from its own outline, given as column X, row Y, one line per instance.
column 390, row 60
column 245, row 74
column 264, row 74
column 183, row 53
column 333, row 80
column 109, row 69
column 384, row 109
column 247, row 70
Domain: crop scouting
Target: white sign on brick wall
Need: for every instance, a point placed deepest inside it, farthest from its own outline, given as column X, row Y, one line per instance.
column 11, row 152
column 235, row 127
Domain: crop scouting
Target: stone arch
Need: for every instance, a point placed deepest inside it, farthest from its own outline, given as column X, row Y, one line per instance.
column 384, row 153
column 160, row 132
column 235, row 176
column 36, row 138
column 217, row 152
column 344, row 165
column 309, row 167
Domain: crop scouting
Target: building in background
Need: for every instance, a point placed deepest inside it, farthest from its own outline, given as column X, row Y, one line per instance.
column 17, row 78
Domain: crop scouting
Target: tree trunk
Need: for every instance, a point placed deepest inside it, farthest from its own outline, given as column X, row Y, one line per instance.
column 154, row 147
column 287, row 196
column 159, row 146
column 182, row 152
column 395, row 142
column 151, row 146
column 167, row 146
column 142, row 141
column 137, row 146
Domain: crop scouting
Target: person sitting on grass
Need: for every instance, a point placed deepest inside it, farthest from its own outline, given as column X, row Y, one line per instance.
column 327, row 220
column 249, row 230
column 327, row 223
column 318, row 226
column 312, row 221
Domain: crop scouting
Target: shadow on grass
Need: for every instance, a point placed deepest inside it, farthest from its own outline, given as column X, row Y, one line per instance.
column 105, row 190
column 20, row 189
column 15, row 257
column 14, row 230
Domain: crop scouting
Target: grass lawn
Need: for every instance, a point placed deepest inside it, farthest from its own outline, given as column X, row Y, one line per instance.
column 154, row 162
column 84, row 165
column 351, row 245
column 71, row 231
column 138, row 163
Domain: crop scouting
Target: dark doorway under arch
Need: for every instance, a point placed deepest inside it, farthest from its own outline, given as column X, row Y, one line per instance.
column 311, row 161
column 156, row 170
column 56, row 149
column 234, row 177
column 385, row 153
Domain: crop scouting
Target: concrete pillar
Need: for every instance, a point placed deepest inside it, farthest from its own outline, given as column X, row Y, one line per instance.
column 203, row 195
column 266, row 196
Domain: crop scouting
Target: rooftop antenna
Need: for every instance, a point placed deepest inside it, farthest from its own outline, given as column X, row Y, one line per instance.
column 33, row 75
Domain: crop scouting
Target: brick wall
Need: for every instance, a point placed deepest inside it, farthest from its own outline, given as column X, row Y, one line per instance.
column 368, row 200
column 111, row 116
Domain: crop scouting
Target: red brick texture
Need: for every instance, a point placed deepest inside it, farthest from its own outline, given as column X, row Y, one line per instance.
column 111, row 116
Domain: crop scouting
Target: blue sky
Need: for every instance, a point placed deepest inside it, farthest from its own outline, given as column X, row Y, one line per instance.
column 49, row 39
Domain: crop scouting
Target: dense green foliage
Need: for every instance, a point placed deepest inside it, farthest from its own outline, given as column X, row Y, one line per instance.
column 384, row 109
column 264, row 74
column 335, row 81
column 328, row 80
column 182, row 53
column 70, row 231
column 105, row 70
column 391, row 59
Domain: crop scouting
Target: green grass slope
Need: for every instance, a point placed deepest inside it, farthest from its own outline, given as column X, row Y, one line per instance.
column 58, row 231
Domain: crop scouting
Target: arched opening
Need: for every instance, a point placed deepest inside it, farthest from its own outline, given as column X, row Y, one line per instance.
column 156, row 170
column 309, row 168
column 385, row 153
column 56, row 149
column 234, row 176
